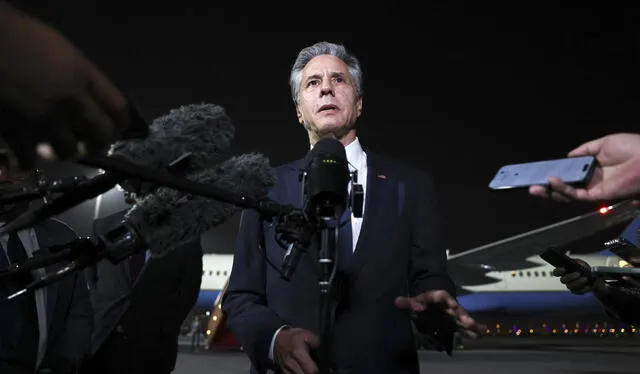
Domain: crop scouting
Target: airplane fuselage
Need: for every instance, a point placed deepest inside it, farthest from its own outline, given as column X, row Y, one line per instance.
column 513, row 291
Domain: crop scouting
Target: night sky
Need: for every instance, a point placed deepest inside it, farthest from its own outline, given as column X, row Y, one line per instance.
column 486, row 87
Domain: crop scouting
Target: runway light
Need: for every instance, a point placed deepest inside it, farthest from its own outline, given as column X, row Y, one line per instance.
column 604, row 209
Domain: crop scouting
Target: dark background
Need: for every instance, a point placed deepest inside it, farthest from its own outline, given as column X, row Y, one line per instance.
column 455, row 90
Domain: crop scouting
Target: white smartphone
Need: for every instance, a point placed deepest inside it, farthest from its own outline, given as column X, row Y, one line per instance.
column 576, row 171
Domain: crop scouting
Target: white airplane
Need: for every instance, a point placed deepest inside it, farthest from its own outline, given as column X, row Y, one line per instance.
column 517, row 280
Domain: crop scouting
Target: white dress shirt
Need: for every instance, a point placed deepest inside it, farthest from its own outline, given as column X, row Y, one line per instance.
column 357, row 159
column 30, row 242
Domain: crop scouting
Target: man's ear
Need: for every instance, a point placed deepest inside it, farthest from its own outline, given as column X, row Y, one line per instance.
column 299, row 115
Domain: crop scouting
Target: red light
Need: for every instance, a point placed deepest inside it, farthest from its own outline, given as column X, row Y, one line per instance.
column 604, row 210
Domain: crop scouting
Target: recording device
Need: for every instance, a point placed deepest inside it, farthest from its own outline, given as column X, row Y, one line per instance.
column 614, row 272
column 576, row 171
column 624, row 249
column 561, row 260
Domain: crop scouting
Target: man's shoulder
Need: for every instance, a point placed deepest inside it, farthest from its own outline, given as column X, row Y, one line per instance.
column 399, row 168
column 289, row 165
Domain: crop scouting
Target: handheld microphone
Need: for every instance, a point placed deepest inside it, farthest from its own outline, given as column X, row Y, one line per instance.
column 203, row 130
column 165, row 219
column 169, row 218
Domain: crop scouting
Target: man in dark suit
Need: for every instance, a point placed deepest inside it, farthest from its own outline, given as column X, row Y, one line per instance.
column 49, row 330
column 140, row 305
column 394, row 263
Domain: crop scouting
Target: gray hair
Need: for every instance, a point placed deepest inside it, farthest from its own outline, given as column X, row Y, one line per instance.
column 324, row 48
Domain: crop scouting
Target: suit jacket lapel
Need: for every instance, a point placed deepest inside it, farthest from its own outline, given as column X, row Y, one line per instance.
column 293, row 185
column 379, row 190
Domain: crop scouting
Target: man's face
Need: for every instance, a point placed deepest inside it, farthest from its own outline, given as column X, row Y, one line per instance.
column 327, row 103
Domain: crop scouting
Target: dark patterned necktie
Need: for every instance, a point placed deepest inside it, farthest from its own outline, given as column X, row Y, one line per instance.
column 345, row 242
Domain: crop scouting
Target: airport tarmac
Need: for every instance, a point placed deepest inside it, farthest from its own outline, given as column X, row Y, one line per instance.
column 491, row 356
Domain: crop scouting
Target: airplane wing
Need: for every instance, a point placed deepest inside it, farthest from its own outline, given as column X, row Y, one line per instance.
column 470, row 267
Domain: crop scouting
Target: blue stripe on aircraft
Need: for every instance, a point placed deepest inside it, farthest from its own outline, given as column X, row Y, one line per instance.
column 528, row 301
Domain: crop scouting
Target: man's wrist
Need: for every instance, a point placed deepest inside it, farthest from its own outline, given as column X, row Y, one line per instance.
column 272, row 347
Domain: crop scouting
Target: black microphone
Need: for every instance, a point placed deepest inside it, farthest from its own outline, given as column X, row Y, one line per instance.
column 166, row 219
column 204, row 131
column 326, row 179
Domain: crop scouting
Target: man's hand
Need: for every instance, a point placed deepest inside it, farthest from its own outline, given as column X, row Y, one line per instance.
column 616, row 176
column 442, row 299
column 291, row 351
column 575, row 282
column 65, row 99
column 579, row 284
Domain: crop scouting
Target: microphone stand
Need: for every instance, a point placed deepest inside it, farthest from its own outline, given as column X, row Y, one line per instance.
column 296, row 230
column 83, row 250
column 327, row 260
column 116, row 245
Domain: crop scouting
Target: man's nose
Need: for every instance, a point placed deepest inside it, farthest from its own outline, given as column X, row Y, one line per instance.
column 326, row 88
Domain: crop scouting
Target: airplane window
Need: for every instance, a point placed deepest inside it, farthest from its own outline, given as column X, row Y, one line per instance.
column 210, row 272
column 544, row 273
column 528, row 274
column 218, row 273
column 521, row 274
column 224, row 273
column 513, row 273
column 535, row 273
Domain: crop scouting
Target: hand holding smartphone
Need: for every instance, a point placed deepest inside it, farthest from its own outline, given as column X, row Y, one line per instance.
column 561, row 260
column 576, row 171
